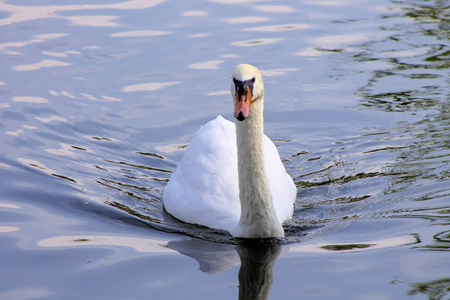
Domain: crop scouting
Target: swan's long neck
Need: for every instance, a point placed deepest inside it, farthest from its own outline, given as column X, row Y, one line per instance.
column 258, row 216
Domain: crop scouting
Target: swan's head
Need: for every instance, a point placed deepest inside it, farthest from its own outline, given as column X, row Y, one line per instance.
column 246, row 88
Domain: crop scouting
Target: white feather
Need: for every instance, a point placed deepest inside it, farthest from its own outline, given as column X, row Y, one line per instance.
column 204, row 189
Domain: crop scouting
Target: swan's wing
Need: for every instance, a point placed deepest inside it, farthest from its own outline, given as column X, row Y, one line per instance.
column 204, row 188
column 281, row 184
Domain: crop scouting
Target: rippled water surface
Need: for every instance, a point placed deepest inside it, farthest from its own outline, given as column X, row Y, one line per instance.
column 99, row 99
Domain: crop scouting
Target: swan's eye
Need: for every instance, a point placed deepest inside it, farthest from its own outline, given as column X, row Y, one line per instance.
column 241, row 86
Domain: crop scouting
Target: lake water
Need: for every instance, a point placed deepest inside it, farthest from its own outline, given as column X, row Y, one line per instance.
column 98, row 100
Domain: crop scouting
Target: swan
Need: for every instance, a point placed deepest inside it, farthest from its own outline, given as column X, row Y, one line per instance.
column 231, row 176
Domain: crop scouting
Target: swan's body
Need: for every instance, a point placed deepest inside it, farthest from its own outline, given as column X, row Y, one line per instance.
column 231, row 176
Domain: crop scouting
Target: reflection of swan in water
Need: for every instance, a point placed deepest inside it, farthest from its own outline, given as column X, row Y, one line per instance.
column 257, row 259
column 255, row 274
column 211, row 257
column 231, row 176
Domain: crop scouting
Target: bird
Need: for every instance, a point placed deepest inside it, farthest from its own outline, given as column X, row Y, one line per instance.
column 231, row 176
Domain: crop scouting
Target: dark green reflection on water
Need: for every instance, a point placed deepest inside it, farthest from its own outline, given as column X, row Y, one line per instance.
column 441, row 242
column 426, row 157
column 418, row 59
column 412, row 76
column 435, row 289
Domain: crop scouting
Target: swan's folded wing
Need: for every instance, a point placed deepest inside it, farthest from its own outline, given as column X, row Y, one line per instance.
column 204, row 188
column 281, row 184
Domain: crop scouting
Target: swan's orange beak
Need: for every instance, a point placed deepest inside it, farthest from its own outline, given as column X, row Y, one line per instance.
column 242, row 104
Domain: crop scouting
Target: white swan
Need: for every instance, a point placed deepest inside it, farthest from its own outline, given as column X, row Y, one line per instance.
column 231, row 176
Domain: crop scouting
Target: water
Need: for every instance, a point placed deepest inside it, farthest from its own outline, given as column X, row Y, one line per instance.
column 99, row 99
